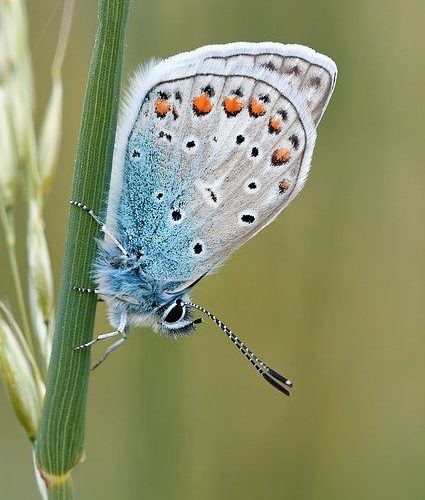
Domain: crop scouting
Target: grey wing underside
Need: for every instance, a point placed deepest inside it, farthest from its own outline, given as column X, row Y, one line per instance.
column 221, row 143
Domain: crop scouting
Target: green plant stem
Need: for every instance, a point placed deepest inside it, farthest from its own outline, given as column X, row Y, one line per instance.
column 61, row 490
column 11, row 250
column 61, row 437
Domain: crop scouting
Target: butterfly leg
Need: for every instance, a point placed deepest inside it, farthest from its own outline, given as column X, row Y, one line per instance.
column 85, row 290
column 103, row 228
column 122, row 330
column 124, row 336
column 89, row 290
column 103, row 336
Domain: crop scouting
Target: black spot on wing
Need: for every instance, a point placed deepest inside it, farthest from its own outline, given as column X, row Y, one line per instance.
column 212, row 194
column 315, row 81
column 270, row 65
column 209, row 90
column 248, row 218
column 295, row 141
column 176, row 215
column 197, row 248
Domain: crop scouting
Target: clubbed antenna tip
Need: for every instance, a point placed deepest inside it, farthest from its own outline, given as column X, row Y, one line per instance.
column 274, row 378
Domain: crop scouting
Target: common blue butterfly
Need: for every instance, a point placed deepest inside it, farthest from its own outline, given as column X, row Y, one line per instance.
column 211, row 146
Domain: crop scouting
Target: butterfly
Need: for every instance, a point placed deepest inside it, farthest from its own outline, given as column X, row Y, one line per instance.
column 211, row 146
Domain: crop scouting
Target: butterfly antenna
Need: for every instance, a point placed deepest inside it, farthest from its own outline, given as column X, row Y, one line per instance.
column 274, row 378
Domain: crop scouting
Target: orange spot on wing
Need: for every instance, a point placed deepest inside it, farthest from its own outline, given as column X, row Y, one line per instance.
column 256, row 108
column 162, row 107
column 232, row 105
column 284, row 186
column 281, row 156
column 275, row 125
column 202, row 104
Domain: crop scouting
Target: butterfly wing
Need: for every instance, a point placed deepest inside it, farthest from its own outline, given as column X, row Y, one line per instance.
column 214, row 144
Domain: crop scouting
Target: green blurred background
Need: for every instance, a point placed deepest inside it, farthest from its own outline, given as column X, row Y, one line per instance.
column 332, row 293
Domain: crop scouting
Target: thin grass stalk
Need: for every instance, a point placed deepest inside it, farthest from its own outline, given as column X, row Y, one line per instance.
column 7, row 218
column 61, row 438
column 40, row 174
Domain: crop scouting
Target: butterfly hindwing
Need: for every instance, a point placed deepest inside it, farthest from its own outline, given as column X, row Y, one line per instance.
column 219, row 144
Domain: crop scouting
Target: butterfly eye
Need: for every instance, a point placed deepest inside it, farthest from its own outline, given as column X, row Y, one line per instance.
column 174, row 313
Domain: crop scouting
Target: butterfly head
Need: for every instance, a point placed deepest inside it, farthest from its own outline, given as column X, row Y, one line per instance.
column 175, row 318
